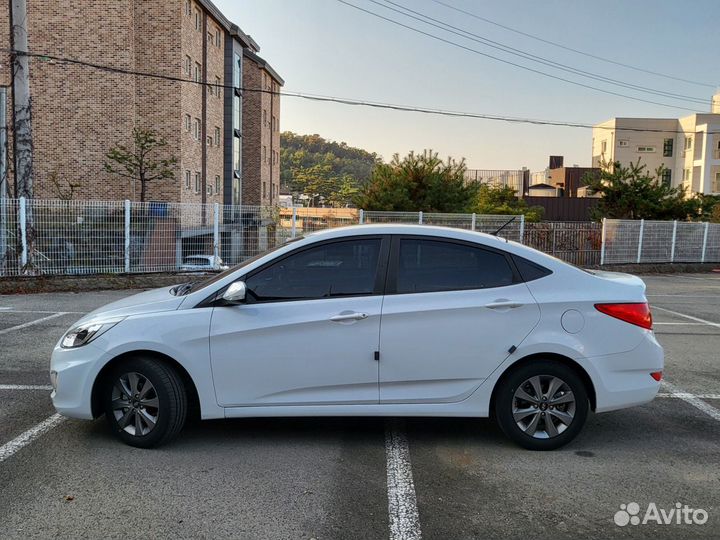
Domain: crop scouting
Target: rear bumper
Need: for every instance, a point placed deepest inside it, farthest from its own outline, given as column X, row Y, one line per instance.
column 623, row 380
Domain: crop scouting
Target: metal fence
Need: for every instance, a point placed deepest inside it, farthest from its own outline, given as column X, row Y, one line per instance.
column 645, row 241
column 57, row 237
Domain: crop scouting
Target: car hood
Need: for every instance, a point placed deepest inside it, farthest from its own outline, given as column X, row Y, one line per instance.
column 145, row 302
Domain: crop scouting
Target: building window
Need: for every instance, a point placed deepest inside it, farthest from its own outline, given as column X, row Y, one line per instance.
column 264, row 154
column 188, row 8
column 668, row 147
column 646, row 149
column 217, row 136
column 198, row 20
column 237, row 71
column 187, row 179
column 688, row 143
column 236, row 154
column 218, row 86
column 209, row 140
column 188, row 65
column 603, row 147
column 716, row 183
column 686, row 175
column 218, row 38
column 208, row 190
column 275, row 123
column 264, row 190
column 197, row 182
column 667, row 177
column 196, row 129
column 623, row 143
column 188, row 123
column 264, row 117
column 217, row 184
column 198, row 72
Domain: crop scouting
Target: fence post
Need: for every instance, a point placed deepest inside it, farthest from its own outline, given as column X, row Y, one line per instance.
column 602, row 242
column 522, row 229
column 216, row 233
column 640, row 240
column 420, row 217
column 23, row 232
column 126, row 250
column 362, row 216
column 293, row 228
column 472, row 222
column 705, row 235
column 672, row 246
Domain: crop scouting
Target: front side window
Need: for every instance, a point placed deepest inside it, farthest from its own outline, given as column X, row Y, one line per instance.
column 435, row 265
column 346, row 268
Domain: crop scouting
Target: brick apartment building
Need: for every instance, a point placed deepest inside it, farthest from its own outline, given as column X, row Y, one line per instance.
column 80, row 112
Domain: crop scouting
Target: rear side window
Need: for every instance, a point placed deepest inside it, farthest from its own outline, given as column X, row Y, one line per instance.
column 530, row 271
column 435, row 265
column 347, row 268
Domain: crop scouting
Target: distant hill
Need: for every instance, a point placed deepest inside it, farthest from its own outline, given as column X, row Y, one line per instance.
column 328, row 171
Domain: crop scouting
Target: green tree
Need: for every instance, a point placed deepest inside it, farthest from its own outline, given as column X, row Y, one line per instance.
column 503, row 200
column 632, row 192
column 418, row 182
column 138, row 162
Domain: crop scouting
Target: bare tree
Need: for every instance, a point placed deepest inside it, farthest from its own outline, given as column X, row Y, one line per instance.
column 138, row 162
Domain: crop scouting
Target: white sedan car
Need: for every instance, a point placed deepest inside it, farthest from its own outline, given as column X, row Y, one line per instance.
column 376, row 320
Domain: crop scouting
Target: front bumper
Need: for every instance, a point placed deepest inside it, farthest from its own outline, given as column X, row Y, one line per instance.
column 623, row 380
column 75, row 371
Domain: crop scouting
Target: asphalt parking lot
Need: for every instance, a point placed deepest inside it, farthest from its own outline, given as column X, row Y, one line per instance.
column 361, row 478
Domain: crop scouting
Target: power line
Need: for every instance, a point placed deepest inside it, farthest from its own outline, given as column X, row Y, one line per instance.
column 532, row 57
column 571, row 49
column 343, row 101
column 470, row 49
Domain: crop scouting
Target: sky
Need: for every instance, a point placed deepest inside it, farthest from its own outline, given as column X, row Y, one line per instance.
column 328, row 48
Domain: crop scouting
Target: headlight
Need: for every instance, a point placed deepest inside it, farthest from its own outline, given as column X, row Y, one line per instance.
column 85, row 333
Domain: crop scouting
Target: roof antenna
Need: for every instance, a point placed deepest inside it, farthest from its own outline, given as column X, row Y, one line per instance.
column 494, row 233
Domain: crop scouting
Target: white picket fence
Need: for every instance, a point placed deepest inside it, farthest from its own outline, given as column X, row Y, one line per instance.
column 57, row 237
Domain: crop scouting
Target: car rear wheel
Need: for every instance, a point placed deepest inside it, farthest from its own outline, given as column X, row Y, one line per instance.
column 145, row 402
column 541, row 405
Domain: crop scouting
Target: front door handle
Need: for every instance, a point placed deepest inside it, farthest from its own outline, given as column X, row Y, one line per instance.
column 344, row 317
column 503, row 304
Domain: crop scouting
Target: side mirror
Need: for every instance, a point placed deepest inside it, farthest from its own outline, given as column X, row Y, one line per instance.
column 235, row 293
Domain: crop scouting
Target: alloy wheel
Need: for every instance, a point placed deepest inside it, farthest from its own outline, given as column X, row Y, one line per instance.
column 543, row 406
column 135, row 404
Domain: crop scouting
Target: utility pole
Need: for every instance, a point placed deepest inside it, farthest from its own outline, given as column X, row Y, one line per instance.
column 22, row 116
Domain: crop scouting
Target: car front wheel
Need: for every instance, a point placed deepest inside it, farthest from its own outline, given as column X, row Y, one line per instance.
column 145, row 402
column 541, row 405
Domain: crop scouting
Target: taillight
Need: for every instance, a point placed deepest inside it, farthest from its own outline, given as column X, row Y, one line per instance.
column 657, row 375
column 638, row 314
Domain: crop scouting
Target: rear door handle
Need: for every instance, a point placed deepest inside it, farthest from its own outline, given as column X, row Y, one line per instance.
column 503, row 304
column 343, row 317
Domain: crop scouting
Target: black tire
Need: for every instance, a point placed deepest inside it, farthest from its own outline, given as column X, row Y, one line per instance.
column 167, row 391
column 545, row 437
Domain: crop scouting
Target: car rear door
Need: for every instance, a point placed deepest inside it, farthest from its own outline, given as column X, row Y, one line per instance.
column 451, row 313
column 309, row 330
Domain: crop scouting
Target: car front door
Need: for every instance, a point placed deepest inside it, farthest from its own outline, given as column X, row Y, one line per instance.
column 451, row 313
column 308, row 331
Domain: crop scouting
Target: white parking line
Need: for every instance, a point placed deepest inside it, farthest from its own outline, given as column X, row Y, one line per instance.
column 402, row 503
column 677, row 323
column 25, row 387
column 36, row 321
column 682, row 395
column 690, row 317
column 11, row 310
column 693, row 400
column 21, row 441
